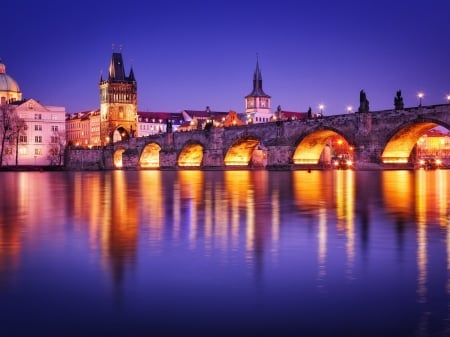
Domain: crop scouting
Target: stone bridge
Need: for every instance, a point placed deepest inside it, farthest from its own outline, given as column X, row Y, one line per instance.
column 377, row 140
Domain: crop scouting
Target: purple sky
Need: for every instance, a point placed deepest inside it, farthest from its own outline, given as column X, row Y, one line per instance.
column 190, row 54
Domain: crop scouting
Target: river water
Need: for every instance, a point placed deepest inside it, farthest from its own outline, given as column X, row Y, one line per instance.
column 233, row 253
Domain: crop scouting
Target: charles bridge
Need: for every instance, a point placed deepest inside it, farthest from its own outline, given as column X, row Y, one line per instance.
column 378, row 140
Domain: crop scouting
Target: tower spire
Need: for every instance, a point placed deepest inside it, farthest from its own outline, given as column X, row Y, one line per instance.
column 257, row 103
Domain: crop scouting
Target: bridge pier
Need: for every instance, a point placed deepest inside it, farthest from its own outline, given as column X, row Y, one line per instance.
column 168, row 159
column 213, row 158
column 279, row 157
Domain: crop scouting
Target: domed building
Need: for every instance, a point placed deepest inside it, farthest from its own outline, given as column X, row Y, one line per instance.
column 9, row 89
column 35, row 133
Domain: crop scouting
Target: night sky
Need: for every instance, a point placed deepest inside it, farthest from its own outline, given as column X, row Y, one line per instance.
column 193, row 54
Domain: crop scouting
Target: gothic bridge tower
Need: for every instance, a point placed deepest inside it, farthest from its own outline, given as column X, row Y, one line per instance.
column 118, row 103
column 257, row 103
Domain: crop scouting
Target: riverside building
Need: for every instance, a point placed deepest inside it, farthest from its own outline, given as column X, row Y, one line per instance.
column 34, row 133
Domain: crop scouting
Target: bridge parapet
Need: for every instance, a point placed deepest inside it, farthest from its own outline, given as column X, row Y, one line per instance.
column 374, row 136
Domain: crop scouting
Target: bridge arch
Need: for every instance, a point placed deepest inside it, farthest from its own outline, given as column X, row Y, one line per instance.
column 117, row 158
column 399, row 145
column 191, row 155
column 315, row 147
column 150, row 156
column 119, row 134
column 246, row 151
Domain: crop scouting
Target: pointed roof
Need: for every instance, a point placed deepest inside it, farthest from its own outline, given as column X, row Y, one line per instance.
column 117, row 70
column 257, row 83
column 131, row 76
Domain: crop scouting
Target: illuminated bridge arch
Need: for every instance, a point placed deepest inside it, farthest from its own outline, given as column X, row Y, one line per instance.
column 401, row 142
column 246, row 151
column 150, row 156
column 120, row 134
column 118, row 158
column 310, row 148
column 191, row 155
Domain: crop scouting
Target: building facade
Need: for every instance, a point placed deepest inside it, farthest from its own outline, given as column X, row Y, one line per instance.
column 33, row 133
column 118, row 103
column 257, row 103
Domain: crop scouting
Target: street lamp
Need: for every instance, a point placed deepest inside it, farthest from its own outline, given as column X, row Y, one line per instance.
column 448, row 99
column 349, row 109
column 420, row 95
column 321, row 106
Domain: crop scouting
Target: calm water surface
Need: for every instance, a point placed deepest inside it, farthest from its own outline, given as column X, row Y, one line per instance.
column 234, row 253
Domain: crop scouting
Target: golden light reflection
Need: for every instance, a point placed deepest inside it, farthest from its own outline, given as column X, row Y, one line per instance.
column 152, row 206
column 192, row 188
column 421, row 209
column 191, row 156
column 312, row 188
column 448, row 255
column 397, row 189
column 208, row 217
column 345, row 209
column 311, row 147
column 118, row 158
column 442, row 197
column 275, row 220
column 240, row 153
column 221, row 218
column 250, row 229
column 234, row 186
column 322, row 244
column 240, row 190
column 150, row 156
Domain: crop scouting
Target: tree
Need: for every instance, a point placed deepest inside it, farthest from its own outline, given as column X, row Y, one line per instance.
column 56, row 151
column 18, row 127
column 6, row 112
column 11, row 127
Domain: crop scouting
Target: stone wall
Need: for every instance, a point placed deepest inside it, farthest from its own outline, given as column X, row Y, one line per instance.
column 368, row 132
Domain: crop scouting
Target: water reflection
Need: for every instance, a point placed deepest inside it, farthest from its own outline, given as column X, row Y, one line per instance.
column 299, row 231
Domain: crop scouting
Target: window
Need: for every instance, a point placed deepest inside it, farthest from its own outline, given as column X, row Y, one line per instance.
column 54, row 127
column 25, row 127
column 54, row 139
column 38, row 139
column 38, row 127
column 8, row 151
column 23, row 150
column 38, row 152
column 37, row 116
column 22, row 139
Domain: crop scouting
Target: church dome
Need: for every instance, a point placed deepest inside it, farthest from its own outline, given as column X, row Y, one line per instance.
column 9, row 89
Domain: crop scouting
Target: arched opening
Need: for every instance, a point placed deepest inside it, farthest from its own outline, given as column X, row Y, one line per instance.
column 120, row 134
column 245, row 152
column 150, row 156
column 424, row 145
column 191, row 156
column 118, row 158
column 325, row 148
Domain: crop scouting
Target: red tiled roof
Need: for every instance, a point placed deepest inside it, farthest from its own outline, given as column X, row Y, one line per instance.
column 205, row 114
column 164, row 116
column 292, row 114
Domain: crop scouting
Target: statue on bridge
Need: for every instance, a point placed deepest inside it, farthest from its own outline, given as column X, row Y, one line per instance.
column 363, row 102
column 398, row 101
column 169, row 128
